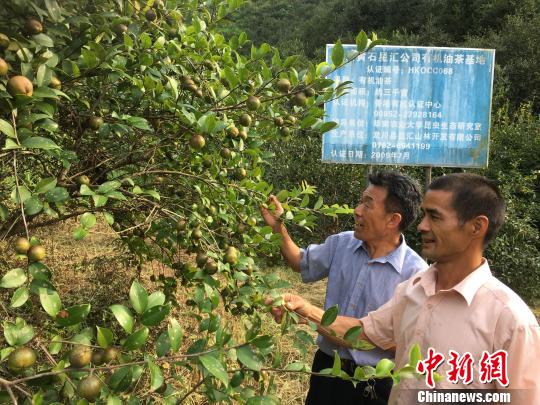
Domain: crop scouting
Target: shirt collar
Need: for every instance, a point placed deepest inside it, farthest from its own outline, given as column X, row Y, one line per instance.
column 395, row 257
column 467, row 288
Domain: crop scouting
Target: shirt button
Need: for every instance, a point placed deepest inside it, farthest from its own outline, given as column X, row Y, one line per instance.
column 429, row 306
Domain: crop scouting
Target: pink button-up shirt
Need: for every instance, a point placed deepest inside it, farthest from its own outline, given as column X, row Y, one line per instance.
column 478, row 314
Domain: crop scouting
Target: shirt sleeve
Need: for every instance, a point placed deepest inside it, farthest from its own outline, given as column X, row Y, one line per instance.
column 523, row 348
column 378, row 325
column 316, row 259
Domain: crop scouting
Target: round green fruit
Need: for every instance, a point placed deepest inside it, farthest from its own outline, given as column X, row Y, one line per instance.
column 310, row 92
column 181, row 225
column 150, row 15
column 36, row 253
column 21, row 245
column 283, row 85
column 231, row 255
column 243, row 134
column 56, row 83
column 83, row 180
column 95, row 122
column 241, row 173
column 253, row 103
column 233, row 132
column 110, row 354
column 33, row 26
column 21, row 358
column 201, row 259
column 89, row 388
column 197, row 233
column 3, row 67
column 225, row 153
column 300, row 99
column 119, row 29
column 207, row 161
column 197, row 141
column 245, row 120
column 285, row 131
column 98, row 358
column 278, row 121
column 211, row 267
column 4, row 41
column 80, row 356
column 20, row 86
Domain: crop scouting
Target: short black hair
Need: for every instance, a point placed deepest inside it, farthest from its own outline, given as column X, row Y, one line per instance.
column 404, row 195
column 474, row 195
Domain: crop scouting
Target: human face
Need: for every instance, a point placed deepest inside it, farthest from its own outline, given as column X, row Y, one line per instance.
column 370, row 216
column 444, row 238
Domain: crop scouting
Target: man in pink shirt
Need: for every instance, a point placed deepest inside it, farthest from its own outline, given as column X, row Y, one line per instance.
column 455, row 310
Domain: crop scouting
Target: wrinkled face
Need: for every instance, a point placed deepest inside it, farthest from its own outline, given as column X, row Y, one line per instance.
column 370, row 216
column 443, row 237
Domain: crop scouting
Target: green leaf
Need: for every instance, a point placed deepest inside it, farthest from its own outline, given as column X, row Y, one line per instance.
column 163, row 344
column 7, row 129
column 45, row 185
column 39, row 142
column 54, row 10
column 123, row 316
column 248, row 358
column 76, row 314
column 155, row 299
column 55, row 346
column 155, row 315
column 57, row 194
column 352, row 335
column 138, row 297
column 109, row 218
column 414, row 355
column 88, row 220
column 156, row 377
column 112, row 400
column 121, row 379
column 175, row 334
column 50, row 301
column 33, row 206
column 11, row 144
column 13, row 278
column 19, row 297
column 80, row 233
column 338, row 53
column 43, row 40
column 136, row 339
column 361, row 41
column 18, row 333
column 327, row 126
column 85, row 190
column 336, row 367
column 215, row 367
column 105, row 337
column 330, row 315
column 384, row 368
column 99, row 200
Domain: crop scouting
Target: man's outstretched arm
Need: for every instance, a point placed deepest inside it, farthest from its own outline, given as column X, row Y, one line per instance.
column 309, row 312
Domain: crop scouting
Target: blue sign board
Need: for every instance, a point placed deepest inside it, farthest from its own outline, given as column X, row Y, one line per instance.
column 412, row 106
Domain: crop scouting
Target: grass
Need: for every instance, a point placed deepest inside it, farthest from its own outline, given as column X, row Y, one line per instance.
column 98, row 271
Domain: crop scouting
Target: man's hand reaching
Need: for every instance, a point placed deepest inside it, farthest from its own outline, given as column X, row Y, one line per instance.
column 272, row 218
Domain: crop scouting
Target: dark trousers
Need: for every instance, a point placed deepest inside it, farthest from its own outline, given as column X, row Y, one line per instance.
column 335, row 391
